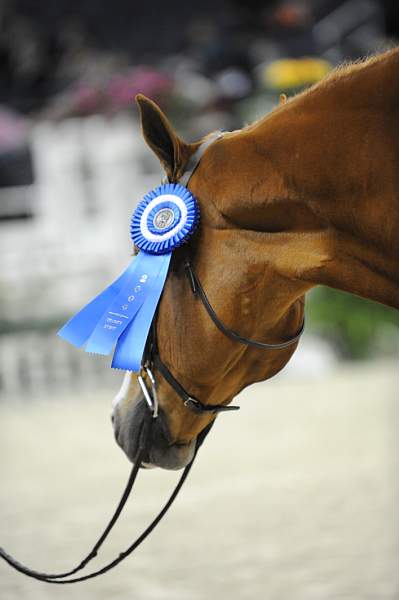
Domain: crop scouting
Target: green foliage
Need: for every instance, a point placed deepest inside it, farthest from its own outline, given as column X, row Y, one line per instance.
column 358, row 327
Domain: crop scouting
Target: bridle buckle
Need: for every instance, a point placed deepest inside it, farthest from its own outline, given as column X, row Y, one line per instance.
column 193, row 404
column 151, row 397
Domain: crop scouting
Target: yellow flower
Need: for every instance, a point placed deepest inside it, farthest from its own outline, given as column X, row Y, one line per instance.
column 288, row 73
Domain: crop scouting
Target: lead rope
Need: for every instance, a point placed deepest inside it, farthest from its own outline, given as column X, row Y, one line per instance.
column 60, row 578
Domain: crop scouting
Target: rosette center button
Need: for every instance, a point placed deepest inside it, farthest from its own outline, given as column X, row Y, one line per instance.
column 164, row 218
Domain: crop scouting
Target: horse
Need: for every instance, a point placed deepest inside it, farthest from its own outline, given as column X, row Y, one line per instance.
column 308, row 195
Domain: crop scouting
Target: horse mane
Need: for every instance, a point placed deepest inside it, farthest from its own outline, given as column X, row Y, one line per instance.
column 343, row 72
column 346, row 69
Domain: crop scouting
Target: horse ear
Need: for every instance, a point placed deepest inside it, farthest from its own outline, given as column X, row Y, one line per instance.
column 161, row 138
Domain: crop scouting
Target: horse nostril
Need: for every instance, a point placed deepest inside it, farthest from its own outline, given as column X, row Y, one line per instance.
column 115, row 426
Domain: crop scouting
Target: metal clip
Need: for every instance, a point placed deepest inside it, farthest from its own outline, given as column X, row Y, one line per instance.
column 150, row 398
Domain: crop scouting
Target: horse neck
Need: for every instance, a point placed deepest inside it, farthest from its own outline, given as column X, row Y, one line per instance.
column 325, row 182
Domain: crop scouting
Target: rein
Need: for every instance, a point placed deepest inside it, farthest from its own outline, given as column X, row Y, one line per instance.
column 62, row 578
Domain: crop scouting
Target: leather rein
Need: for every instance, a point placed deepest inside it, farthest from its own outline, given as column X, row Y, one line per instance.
column 148, row 384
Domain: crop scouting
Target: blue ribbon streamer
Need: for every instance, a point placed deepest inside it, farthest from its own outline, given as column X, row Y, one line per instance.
column 130, row 347
column 78, row 329
column 121, row 316
column 108, row 318
column 126, row 304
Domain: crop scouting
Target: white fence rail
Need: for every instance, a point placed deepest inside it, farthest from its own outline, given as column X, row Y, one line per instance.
column 89, row 175
column 34, row 364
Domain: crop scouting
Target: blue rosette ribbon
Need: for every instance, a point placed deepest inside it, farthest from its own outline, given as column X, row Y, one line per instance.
column 121, row 316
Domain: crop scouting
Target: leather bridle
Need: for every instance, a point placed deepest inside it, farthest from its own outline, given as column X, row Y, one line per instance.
column 152, row 362
column 152, row 359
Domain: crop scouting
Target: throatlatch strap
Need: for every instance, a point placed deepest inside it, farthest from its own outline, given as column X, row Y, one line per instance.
column 199, row 291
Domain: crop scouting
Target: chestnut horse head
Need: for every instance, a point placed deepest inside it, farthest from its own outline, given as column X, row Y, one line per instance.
column 247, row 297
column 308, row 195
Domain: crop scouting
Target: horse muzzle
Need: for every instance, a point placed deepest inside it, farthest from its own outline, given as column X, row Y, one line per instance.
column 136, row 423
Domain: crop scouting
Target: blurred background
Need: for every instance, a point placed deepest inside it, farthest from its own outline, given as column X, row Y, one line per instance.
column 70, row 154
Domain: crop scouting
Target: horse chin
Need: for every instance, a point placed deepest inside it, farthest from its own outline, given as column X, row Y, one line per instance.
column 173, row 458
column 162, row 452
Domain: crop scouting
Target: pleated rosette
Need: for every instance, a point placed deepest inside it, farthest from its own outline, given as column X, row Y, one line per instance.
column 120, row 317
column 165, row 218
